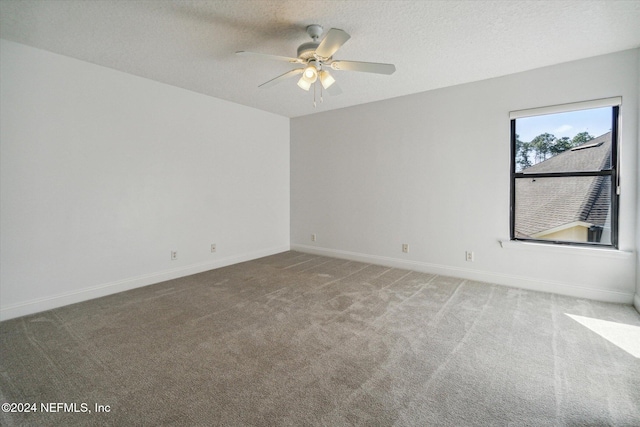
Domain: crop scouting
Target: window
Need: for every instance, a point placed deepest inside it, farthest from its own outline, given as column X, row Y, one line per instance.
column 564, row 174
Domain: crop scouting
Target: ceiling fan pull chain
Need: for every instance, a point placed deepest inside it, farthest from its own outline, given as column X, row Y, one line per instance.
column 314, row 95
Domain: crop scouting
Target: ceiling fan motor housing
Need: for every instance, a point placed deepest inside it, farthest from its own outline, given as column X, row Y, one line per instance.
column 306, row 50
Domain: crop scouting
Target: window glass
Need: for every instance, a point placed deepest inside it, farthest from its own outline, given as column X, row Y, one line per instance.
column 540, row 139
column 564, row 177
column 571, row 209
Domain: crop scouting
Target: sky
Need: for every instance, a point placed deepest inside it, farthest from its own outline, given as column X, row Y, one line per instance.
column 596, row 121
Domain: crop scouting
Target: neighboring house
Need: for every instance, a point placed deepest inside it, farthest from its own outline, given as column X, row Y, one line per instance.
column 567, row 208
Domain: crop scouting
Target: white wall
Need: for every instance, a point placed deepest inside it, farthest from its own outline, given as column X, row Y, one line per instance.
column 432, row 170
column 103, row 174
column 636, row 300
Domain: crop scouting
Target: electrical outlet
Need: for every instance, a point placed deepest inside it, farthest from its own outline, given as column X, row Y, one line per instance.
column 213, row 247
column 174, row 255
column 405, row 248
column 313, row 237
column 469, row 256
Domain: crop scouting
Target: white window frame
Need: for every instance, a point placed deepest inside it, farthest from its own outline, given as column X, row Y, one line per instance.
column 613, row 172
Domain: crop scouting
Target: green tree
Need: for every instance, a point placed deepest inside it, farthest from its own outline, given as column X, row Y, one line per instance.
column 581, row 138
column 544, row 146
column 541, row 145
column 522, row 154
column 560, row 145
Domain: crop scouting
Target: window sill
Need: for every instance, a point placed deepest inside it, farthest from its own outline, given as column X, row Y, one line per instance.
column 565, row 249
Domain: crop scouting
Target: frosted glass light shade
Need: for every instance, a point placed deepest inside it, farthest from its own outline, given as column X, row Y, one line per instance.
column 310, row 73
column 304, row 83
column 326, row 79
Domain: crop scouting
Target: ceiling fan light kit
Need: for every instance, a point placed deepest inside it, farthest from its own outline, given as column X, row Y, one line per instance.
column 315, row 56
column 311, row 72
column 304, row 83
column 326, row 79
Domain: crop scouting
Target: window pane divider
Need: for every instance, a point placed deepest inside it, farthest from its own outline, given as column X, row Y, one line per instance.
column 605, row 172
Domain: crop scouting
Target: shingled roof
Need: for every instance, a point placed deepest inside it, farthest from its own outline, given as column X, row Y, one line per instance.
column 545, row 204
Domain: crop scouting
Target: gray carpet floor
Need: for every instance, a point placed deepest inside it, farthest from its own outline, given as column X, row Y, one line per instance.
column 297, row 339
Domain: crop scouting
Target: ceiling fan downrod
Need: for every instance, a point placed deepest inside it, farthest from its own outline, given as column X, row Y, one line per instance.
column 314, row 31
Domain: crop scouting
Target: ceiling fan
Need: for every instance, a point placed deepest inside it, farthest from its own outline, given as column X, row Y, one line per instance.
column 316, row 58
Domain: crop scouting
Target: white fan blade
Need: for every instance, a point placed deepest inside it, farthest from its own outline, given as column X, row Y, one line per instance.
column 367, row 67
column 331, row 43
column 272, row 57
column 281, row 77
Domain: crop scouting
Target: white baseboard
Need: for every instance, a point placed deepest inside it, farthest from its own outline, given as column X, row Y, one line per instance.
column 636, row 302
column 48, row 303
column 480, row 276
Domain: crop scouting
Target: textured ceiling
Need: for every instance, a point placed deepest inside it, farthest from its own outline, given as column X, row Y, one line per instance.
column 191, row 44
